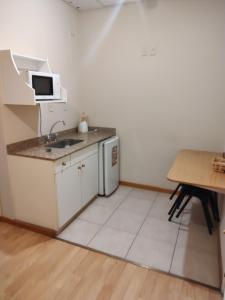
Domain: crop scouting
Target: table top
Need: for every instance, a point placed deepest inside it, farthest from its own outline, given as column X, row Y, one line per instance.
column 195, row 168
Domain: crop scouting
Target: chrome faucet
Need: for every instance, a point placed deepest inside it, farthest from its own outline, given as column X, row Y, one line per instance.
column 51, row 137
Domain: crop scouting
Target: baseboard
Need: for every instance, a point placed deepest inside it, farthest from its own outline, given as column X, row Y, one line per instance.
column 35, row 228
column 146, row 187
column 43, row 230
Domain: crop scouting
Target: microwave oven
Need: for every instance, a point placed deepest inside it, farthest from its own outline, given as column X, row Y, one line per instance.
column 46, row 85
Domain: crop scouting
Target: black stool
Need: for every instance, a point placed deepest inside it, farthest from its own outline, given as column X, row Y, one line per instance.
column 205, row 196
column 175, row 191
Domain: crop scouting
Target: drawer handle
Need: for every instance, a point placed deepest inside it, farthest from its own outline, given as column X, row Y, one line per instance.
column 83, row 165
column 63, row 163
column 79, row 168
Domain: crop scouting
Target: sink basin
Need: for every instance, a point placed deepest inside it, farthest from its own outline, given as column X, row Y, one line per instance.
column 64, row 143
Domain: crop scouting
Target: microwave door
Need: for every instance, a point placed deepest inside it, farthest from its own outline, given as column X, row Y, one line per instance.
column 43, row 87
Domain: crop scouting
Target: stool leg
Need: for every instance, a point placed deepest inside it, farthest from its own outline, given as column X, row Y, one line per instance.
column 177, row 204
column 207, row 215
column 183, row 206
column 212, row 204
column 175, row 191
column 216, row 206
column 173, row 206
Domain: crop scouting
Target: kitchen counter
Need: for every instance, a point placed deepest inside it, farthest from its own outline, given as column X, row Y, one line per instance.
column 36, row 148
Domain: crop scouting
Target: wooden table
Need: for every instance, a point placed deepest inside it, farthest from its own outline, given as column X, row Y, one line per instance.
column 195, row 168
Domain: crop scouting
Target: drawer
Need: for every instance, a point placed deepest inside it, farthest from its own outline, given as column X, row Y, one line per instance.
column 82, row 154
column 62, row 163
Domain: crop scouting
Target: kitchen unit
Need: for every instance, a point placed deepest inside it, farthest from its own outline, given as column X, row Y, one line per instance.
column 50, row 188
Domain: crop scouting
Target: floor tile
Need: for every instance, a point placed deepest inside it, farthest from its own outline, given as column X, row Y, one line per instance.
column 123, row 190
column 143, row 194
column 161, row 230
column 112, row 241
column 193, row 214
column 161, row 207
column 125, row 220
column 196, row 265
column 80, row 232
column 152, row 253
column 97, row 214
column 112, row 201
column 197, row 237
column 140, row 206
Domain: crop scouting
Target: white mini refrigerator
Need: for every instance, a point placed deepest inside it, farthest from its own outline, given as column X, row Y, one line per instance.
column 109, row 169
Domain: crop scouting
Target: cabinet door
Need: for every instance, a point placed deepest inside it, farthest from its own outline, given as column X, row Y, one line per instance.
column 68, row 184
column 89, row 178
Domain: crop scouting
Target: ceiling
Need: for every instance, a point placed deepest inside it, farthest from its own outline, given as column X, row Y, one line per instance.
column 93, row 4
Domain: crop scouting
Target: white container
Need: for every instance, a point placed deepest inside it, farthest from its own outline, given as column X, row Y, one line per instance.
column 83, row 127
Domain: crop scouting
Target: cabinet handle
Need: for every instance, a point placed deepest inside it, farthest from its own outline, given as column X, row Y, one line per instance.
column 83, row 166
column 79, row 168
column 63, row 163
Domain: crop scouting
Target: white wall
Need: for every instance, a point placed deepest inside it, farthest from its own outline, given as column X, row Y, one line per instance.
column 163, row 103
column 159, row 104
column 42, row 28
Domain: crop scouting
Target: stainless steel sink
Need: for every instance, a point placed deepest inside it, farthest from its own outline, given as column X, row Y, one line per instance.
column 64, row 143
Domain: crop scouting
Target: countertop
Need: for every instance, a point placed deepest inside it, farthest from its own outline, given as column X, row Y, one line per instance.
column 195, row 168
column 36, row 148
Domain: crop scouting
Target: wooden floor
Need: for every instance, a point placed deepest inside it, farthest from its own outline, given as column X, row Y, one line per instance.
column 33, row 267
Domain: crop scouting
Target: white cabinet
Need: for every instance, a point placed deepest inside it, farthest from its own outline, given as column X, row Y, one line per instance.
column 89, row 178
column 76, row 181
column 68, row 185
column 49, row 193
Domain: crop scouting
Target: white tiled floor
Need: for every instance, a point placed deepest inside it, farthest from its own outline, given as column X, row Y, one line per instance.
column 194, row 259
column 161, row 230
column 112, row 241
column 151, row 252
column 124, row 220
column 133, row 224
column 80, row 232
column 97, row 214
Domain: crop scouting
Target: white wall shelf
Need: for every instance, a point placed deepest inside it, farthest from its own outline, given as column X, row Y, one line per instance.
column 30, row 63
column 15, row 89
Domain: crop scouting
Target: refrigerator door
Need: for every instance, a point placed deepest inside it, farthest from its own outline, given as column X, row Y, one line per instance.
column 111, row 164
column 101, row 179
